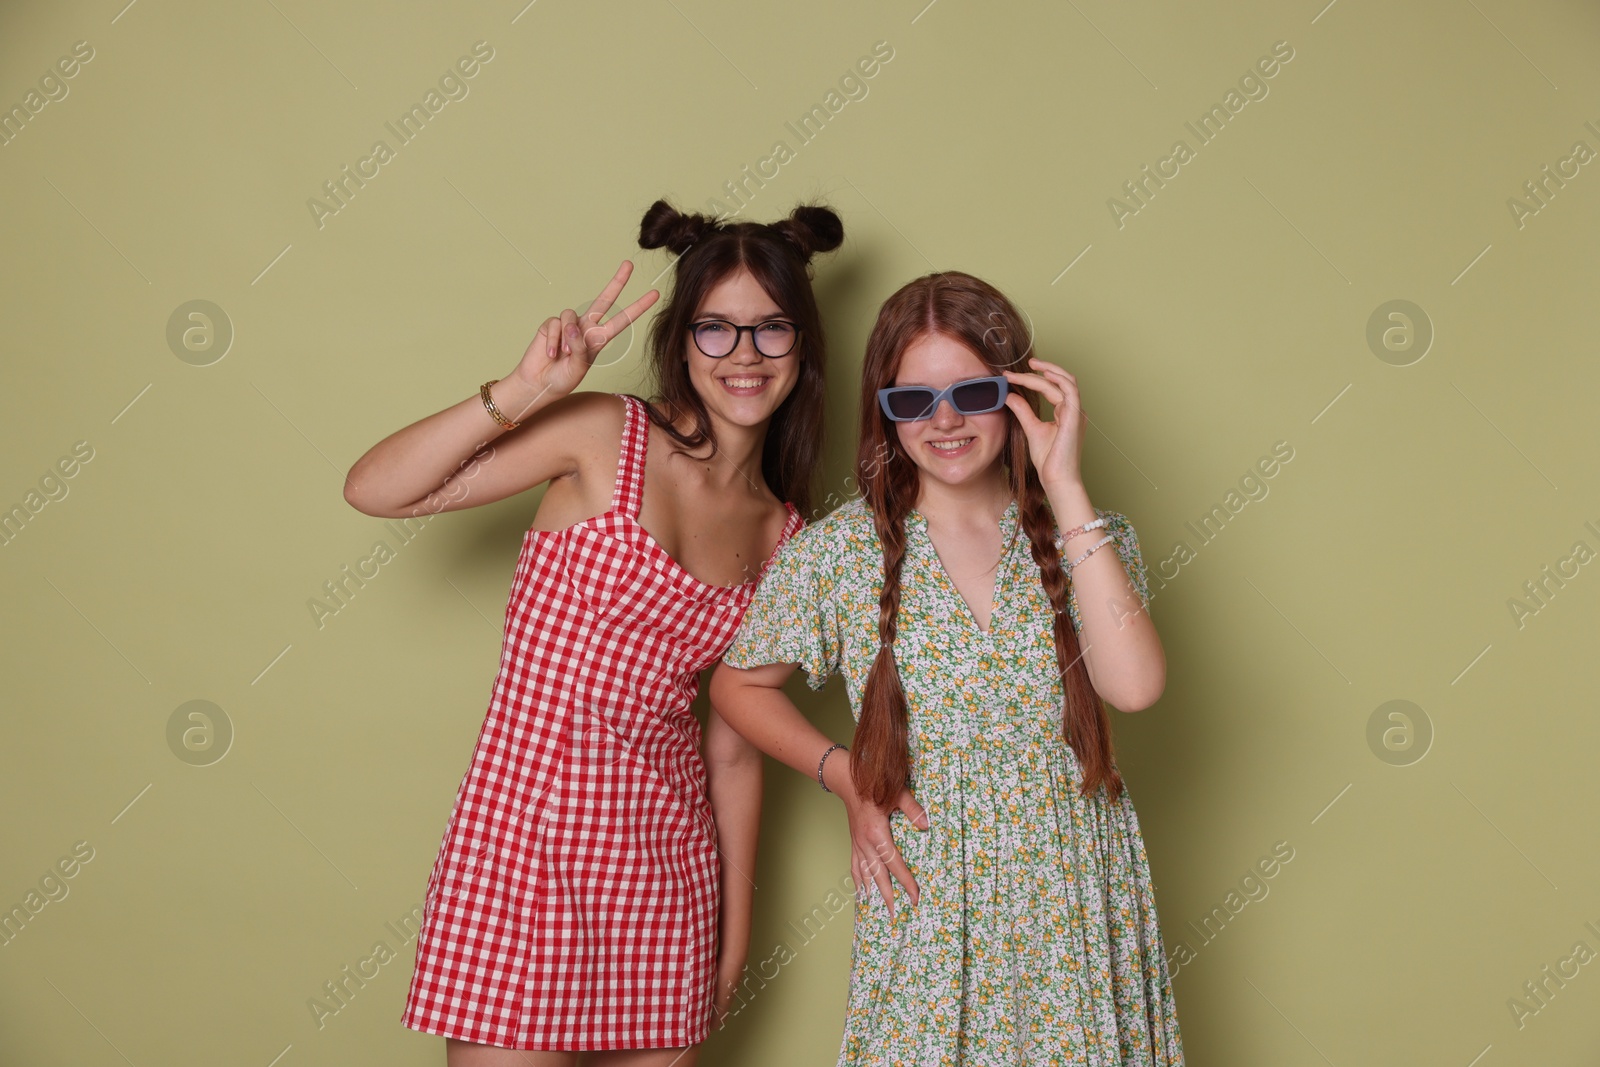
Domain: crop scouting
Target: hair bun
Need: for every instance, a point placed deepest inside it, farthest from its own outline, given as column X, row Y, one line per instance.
column 812, row 228
column 664, row 226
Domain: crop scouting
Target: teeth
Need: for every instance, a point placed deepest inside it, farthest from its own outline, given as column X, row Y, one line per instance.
column 947, row 446
column 744, row 383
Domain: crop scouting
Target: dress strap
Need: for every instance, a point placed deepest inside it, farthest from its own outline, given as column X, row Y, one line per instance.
column 625, row 496
column 791, row 526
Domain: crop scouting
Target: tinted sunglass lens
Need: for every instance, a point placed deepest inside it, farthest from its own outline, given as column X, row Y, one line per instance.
column 909, row 404
column 976, row 397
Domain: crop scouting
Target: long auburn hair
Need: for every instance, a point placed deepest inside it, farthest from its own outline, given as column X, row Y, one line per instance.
column 778, row 256
column 974, row 313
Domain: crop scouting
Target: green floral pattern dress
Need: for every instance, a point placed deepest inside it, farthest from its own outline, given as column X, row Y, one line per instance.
column 1035, row 940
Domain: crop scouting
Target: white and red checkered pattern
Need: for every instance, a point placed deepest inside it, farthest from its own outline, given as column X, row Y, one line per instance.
column 574, row 901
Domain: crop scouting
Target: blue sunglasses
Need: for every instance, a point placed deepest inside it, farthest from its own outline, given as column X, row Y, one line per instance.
column 913, row 403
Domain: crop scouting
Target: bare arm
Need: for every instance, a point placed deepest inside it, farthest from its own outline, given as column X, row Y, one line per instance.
column 439, row 463
column 461, row 458
column 753, row 703
column 734, row 768
column 1121, row 650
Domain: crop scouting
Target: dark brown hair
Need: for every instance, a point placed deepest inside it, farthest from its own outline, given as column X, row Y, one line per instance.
column 778, row 256
column 977, row 315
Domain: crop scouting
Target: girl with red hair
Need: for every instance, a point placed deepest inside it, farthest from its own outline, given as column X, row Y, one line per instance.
column 1005, row 910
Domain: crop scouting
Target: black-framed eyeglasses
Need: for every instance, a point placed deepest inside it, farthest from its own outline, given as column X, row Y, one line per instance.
column 913, row 403
column 719, row 337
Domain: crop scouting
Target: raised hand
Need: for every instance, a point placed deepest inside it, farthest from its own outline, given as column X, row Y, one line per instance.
column 566, row 345
column 1056, row 446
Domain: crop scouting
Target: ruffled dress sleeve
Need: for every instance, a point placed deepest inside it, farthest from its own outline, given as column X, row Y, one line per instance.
column 794, row 616
column 1126, row 542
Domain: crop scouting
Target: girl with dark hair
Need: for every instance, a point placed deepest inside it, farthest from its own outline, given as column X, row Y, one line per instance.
column 1005, row 912
column 590, row 894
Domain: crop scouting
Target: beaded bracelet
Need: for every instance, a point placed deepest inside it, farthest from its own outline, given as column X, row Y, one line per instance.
column 823, row 760
column 1106, row 540
column 488, row 402
column 1062, row 539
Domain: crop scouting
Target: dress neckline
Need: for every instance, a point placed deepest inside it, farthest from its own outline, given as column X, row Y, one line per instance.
column 1008, row 539
column 1008, row 516
column 628, row 500
column 661, row 553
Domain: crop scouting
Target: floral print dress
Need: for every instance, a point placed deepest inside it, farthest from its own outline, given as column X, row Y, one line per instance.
column 1035, row 939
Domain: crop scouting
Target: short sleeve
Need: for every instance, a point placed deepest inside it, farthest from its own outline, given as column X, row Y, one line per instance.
column 793, row 617
column 1126, row 542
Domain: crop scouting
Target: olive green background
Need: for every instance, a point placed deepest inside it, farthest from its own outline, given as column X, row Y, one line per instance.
column 1441, row 858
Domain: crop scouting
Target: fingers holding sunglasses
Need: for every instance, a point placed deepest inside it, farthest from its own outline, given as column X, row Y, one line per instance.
column 1065, row 379
column 1044, row 366
column 1053, row 387
column 1053, row 445
column 1031, row 381
column 1068, row 383
column 1038, row 432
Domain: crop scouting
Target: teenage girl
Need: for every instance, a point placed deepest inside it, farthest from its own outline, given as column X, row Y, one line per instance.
column 1005, row 911
column 579, row 903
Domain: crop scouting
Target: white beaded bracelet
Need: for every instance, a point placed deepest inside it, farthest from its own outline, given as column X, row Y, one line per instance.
column 1061, row 539
column 1107, row 539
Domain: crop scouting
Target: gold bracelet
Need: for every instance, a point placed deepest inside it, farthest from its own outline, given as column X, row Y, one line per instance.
column 488, row 402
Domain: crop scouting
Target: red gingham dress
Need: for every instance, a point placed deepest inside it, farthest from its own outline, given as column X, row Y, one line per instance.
column 574, row 901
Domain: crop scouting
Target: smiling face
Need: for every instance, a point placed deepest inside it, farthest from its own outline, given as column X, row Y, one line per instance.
column 951, row 448
column 743, row 387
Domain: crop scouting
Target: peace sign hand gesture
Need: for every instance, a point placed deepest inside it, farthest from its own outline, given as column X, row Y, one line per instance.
column 567, row 344
column 1055, row 446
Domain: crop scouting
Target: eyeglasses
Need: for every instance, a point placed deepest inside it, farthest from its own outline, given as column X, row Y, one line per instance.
column 719, row 337
column 913, row 403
